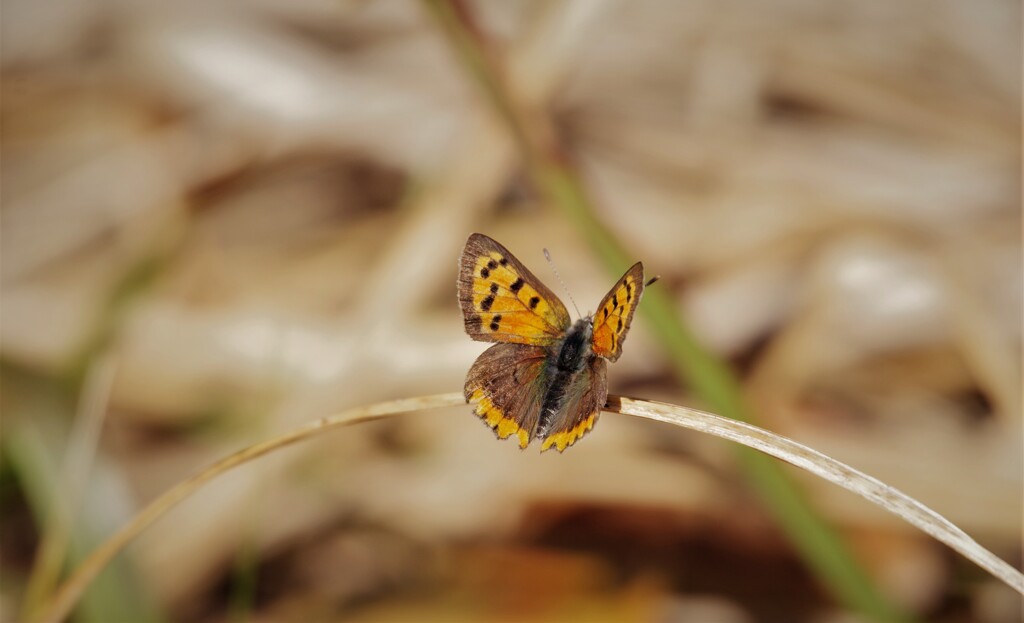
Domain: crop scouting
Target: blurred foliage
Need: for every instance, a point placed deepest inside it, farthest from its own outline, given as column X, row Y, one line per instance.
column 254, row 214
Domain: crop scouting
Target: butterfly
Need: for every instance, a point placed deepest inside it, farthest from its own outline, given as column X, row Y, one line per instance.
column 546, row 378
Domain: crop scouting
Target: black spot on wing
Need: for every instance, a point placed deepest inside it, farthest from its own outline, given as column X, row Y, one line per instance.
column 496, row 322
column 516, row 285
column 619, row 329
column 485, row 304
column 492, row 265
column 494, row 288
column 629, row 291
column 503, row 261
column 534, row 300
column 485, row 272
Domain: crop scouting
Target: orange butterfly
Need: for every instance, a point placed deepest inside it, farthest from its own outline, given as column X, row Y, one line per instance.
column 546, row 378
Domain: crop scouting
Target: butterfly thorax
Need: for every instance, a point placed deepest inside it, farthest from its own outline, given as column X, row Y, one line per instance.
column 568, row 359
column 575, row 347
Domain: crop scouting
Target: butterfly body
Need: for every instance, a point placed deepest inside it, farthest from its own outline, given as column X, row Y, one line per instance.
column 546, row 378
column 566, row 363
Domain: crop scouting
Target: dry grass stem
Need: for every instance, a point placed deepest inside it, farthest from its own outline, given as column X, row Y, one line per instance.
column 69, row 592
column 873, row 490
column 780, row 447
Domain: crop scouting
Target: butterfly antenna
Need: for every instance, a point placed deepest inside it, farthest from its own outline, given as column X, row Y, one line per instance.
column 547, row 256
column 652, row 280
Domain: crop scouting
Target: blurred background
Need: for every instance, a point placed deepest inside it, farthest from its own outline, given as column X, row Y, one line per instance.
column 222, row 220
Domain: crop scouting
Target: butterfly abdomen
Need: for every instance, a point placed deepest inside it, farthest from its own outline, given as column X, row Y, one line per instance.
column 570, row 358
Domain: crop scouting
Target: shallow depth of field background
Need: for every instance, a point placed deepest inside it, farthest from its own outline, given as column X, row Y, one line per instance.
column 221, row 220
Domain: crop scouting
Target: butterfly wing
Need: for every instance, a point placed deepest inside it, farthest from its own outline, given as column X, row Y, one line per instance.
column 502, row 301
column 508, row 382
column 585, row 397
column 611, row 321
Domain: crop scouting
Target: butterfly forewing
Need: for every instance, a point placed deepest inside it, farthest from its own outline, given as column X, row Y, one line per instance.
column 611, row 321
column 502, row 301
column 507, row 383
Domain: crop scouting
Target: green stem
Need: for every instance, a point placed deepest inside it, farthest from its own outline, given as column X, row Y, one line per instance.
column 711, row 379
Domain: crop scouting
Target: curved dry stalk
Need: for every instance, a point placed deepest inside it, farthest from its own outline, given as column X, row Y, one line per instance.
column 837, row 472
column 780, row 447
column 72, row 588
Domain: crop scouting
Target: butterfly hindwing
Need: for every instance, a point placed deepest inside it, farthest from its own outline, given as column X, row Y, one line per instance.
column 502, row 301
column 611, row 321
column 507, row 383
column 584, row 399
